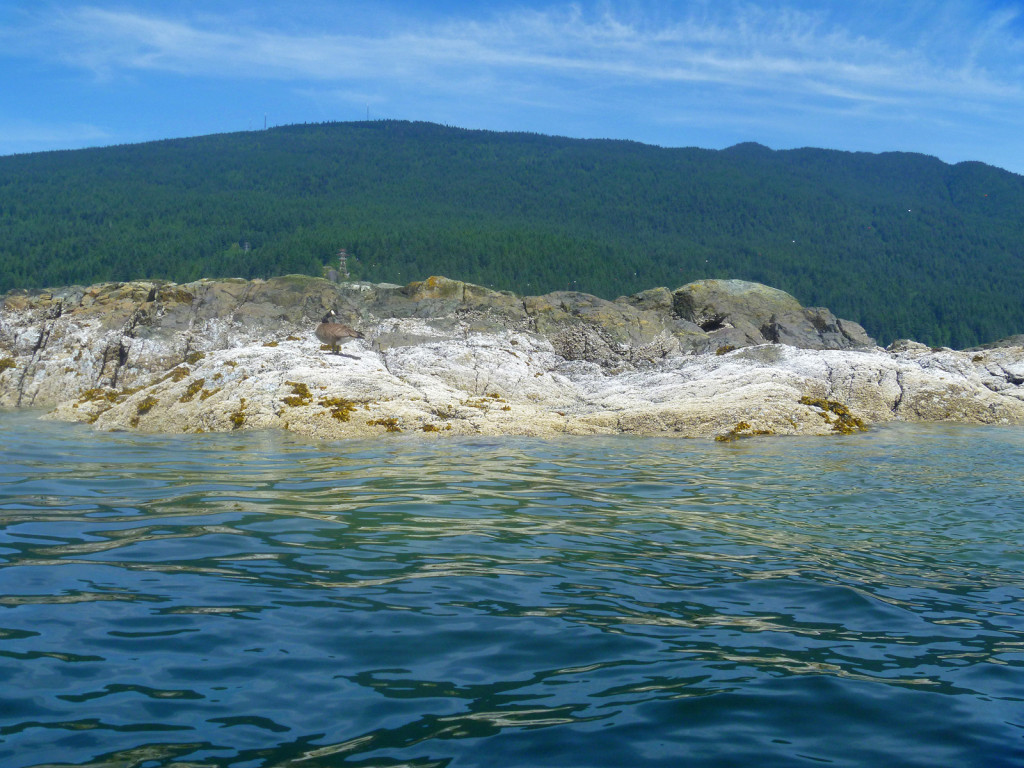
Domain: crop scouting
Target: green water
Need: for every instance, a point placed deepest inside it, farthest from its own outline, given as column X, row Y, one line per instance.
column 259, row 600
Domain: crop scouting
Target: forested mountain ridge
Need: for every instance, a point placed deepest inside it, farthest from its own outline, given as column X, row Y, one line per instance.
column 902, row 243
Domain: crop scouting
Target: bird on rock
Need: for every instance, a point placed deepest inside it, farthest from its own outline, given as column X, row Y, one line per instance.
column 335, row 334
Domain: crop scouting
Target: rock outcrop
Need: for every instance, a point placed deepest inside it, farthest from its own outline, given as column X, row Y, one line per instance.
column 713, row 358
column 736, row 313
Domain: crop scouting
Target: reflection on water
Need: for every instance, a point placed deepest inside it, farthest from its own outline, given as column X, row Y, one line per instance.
column 259, row 600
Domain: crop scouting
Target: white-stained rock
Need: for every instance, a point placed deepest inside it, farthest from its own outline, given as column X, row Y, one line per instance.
column 437, row 358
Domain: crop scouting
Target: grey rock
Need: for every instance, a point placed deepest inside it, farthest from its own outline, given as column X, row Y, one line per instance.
column 1010, row 341
column 907, row 345
column 815, row 328
column 855, row 334
column 742, row 334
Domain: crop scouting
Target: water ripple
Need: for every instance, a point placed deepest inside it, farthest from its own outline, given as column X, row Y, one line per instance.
column 260, row 600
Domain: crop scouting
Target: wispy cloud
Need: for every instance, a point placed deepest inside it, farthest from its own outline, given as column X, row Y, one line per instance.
column 781, row 50
column 821, row 65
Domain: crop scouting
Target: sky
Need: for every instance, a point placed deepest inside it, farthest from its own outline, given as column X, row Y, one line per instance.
column 942, row 77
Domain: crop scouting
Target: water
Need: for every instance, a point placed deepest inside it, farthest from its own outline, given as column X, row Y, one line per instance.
column 255, row 600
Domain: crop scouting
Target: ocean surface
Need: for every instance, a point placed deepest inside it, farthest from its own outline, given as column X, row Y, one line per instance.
column 256, row 599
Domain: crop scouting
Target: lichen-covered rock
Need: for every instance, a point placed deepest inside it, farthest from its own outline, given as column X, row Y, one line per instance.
column 653, row 299
column 713, row 304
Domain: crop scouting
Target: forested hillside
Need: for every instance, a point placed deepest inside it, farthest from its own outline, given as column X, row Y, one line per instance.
column 903, row 243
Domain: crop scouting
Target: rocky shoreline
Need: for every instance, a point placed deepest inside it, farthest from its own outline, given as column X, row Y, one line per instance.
column 714, row 358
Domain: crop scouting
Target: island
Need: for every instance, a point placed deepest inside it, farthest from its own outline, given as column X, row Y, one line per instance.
column 715, row 358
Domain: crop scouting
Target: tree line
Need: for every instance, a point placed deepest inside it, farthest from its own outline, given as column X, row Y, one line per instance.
column 903, row 243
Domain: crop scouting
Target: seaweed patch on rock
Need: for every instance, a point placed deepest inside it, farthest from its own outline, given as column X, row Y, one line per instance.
column 146, row 405
column 390, row 424
column 340, row 408
column 844, row 422
column 237, row 418
column 300, row 394
column 192, row 390
column 741, row 430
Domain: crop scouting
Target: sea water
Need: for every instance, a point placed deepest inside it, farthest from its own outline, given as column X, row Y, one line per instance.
column 256, row 599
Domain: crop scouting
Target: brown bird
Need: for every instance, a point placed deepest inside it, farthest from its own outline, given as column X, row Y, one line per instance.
column 335, row 334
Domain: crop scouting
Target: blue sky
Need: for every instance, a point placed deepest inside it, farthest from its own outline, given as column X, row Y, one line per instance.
column 944, row 77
